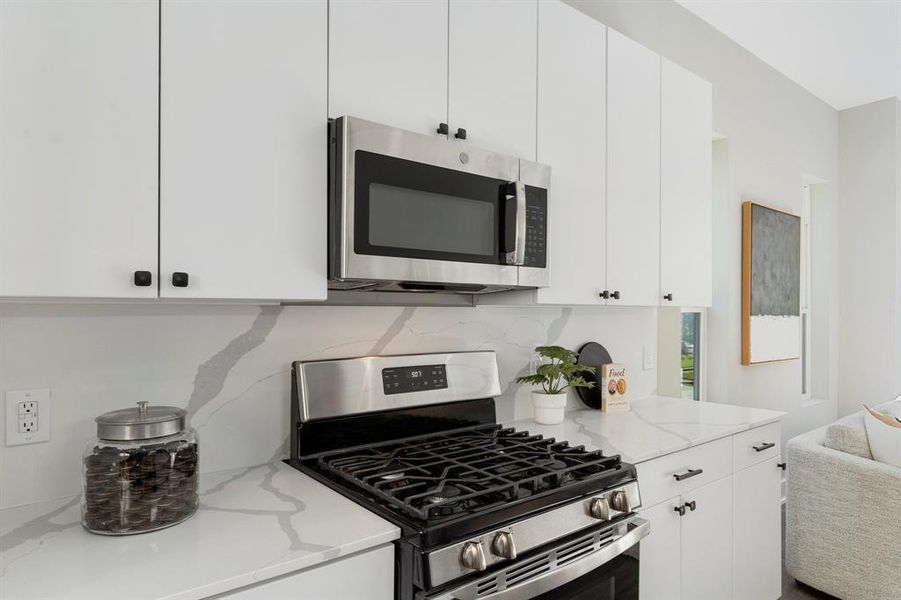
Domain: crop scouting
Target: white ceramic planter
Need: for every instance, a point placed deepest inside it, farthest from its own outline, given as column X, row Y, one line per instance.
column 548, row 408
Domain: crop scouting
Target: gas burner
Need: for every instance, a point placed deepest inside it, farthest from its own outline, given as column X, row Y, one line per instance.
column 549, row 463
column 446, row 493
column 466, row 471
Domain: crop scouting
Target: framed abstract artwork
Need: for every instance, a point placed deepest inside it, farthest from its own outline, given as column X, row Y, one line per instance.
column 770, row 285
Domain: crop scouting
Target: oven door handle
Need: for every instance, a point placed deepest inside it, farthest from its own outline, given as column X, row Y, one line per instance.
column 636, row 529
column 515, row 218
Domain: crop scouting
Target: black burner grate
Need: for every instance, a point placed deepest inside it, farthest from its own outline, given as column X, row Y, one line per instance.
column 465, row 472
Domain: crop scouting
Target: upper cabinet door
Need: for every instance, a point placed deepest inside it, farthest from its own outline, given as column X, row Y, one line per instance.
column 633, row 171
column 572, row 139
column 243, row 158
column 686, row 227
column 388, row 62
column 78, row 148
column 492, row 74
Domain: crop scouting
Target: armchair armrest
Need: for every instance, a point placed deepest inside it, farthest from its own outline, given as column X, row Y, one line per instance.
column 843, row 534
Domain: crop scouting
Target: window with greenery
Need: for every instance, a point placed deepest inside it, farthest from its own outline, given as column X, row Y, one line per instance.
column 691, row 355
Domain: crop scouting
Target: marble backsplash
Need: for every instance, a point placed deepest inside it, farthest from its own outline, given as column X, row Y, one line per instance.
column 228, row 366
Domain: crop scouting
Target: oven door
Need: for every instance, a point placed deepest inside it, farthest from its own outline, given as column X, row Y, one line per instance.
column 597, row 564
column 421, row 209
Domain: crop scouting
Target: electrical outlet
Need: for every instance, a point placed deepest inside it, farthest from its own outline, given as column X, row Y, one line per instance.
column 27, row 417
column 649, row 358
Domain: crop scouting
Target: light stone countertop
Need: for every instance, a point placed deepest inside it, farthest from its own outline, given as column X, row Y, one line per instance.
column 253, row 524
column 655, row 426
column 262, row 522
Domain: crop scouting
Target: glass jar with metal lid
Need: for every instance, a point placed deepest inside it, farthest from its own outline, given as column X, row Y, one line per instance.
column 141, row 472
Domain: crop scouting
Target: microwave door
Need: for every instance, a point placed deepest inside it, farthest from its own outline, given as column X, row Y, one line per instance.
column 415, row 222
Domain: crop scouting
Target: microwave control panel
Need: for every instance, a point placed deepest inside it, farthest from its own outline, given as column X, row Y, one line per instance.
column 400, row 380
column 536, row 227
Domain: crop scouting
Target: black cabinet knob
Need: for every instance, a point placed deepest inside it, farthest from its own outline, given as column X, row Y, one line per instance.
column 179, row 279
column 605, row 294
column 615, row 295
column 680, row 510
column 781, row 465
column 668, row 297
column 442, row 128
column 461, row 133
column 143, row 278
column 691, row 505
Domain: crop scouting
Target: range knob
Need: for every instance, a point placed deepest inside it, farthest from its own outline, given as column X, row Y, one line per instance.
column 620, row 501
column 472, row 556
column 503, row 545
column 599, row 508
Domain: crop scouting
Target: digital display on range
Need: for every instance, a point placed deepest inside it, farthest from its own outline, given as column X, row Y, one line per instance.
column 400, row 380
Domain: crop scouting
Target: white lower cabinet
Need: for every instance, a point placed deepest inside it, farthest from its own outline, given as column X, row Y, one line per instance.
column 660, row 574
column 707, row 542
column 368, row 575
column 717, row 539
column 757, row 555
column 689, row 552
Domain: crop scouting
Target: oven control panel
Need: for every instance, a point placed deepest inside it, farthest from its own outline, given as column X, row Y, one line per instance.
column 400, row 380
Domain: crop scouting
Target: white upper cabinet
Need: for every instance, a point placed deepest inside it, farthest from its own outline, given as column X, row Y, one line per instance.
column 492, row 74
column 388, row 62
column 572, row 139
column 243, row 156
column 78, row 147
column 633, row 172
column 686, row 228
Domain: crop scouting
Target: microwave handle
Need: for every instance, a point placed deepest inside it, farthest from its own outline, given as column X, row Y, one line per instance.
column 515, row 223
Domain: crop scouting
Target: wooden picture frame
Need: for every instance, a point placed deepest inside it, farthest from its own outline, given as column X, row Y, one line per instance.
column 770, row 284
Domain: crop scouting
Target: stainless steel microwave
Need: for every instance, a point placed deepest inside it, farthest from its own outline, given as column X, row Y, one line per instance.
column 412, row 212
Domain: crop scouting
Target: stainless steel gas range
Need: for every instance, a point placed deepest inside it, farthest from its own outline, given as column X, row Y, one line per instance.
column 486, row 512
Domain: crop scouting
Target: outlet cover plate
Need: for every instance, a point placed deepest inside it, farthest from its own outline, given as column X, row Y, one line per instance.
column 649, row 358
column 27, row 416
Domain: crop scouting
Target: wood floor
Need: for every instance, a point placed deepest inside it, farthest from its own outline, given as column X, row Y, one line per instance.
column 794, row 590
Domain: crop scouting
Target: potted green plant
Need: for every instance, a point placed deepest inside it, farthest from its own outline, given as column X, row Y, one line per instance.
column 555, row 376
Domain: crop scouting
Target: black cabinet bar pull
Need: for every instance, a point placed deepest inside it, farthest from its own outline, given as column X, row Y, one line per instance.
column 143, row 278
column 179, row 279
column 680, row 510
column 687, row 474
column 781, row 465
column 442, row 128
column 764, row 446
column 691, row 505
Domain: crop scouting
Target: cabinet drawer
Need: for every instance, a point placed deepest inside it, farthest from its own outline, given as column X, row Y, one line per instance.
column 754, row 445
column 657, row 478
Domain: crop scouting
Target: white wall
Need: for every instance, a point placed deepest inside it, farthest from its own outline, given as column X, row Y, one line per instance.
column 870, row 254
column 229, row 367
column 777, row 133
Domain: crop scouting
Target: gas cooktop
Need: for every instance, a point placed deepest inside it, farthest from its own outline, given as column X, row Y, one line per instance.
column 465, row 472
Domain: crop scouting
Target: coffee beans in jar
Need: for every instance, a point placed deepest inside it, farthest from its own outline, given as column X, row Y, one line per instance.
column 141, row 473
